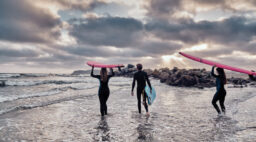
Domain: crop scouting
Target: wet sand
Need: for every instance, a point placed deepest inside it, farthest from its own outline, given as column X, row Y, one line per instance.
column 178, row 115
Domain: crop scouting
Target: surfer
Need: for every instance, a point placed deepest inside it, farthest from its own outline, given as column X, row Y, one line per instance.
column 103, row 89
column 252, row 77
column 221, row 92
column 141, row 77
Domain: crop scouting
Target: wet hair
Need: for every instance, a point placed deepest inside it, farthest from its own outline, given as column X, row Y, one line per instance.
column 139, row 66
column 103, row 74
column 222, row 75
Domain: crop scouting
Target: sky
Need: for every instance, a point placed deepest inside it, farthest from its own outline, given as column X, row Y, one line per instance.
column 59, row 36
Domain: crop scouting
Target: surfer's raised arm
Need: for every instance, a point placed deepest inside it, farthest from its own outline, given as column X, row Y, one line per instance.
column 212, row 73
column 92, row 71
column 92, row 75
column 112, row 72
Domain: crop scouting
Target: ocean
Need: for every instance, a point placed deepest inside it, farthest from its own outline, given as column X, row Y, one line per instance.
column 62, row 107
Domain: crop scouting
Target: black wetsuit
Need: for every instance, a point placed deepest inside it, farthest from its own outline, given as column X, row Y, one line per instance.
column 253, row 78
column 103, row 92
column 141, row 77
column 220, row 94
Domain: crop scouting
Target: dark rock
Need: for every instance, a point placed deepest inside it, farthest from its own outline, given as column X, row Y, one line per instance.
column 155, row 73
column 179, row 73
column 164, row 70
column 163, row 76
column 148, row 71
column 130, row 66
column 203, row 70
column 187, row 81
column 175, row 69
column 236, row 86
column 253, row 84
column 127, row 72
column 199, row 87
column 78, row 72
column 238, row 81
column 2, row 83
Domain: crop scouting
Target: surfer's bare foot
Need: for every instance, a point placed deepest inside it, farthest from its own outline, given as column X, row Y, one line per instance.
column 147, row 114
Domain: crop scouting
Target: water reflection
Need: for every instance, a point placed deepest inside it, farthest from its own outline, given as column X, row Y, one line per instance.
column 102, row 133
column 224, row 127
column 144, row 129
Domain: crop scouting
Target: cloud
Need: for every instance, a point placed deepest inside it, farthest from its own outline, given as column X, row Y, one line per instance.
column 18, row 53
column 163, row 8
column 171, row 9
column 22, row 21
column 109, row 31
column 227, row 31
column 82, row 5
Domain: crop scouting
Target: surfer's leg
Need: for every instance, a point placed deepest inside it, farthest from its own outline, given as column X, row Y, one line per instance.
column 139, row 91
column 222, row 100
column 105, row 100
column 101, row 98
column 145, row 101
column 214, row 100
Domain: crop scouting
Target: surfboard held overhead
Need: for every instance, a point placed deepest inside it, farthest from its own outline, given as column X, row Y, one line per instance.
column 212, row 63
column 101, row 65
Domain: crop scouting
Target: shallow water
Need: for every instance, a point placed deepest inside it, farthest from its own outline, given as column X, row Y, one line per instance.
column 62, row 108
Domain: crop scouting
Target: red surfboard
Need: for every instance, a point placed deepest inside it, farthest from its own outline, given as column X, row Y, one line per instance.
column 208, row 62
column 100, row 65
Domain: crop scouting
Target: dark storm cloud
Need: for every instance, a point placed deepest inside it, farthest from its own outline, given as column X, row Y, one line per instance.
column 21, row 21
column 210, row 1
column 234, row 29
column 163, row 8
column 110, row 31
column 18, row 53
column 89, row 51
column 85, row 5
column 166, row 9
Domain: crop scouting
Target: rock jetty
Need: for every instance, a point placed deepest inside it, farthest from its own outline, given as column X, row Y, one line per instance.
column 199, row 78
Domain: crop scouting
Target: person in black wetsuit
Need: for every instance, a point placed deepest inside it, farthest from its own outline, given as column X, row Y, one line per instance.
column 103, row 89
column 252, row 77
column 221, row 92
column 141, row 77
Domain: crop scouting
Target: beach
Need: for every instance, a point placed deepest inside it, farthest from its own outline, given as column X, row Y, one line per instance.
column 44, row 107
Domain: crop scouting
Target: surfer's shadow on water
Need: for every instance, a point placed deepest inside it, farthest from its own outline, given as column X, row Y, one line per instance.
column 102, row 133
column 223, row 127
column 223, row 121
column 144, row 127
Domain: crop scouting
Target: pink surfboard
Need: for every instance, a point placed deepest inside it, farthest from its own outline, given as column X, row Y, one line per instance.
column 100, row 65
column 208, row 62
